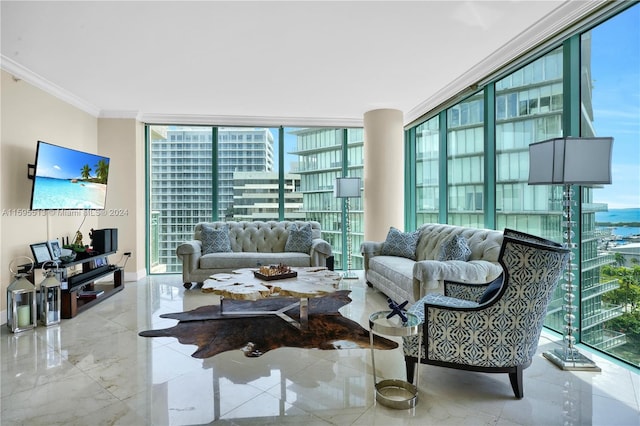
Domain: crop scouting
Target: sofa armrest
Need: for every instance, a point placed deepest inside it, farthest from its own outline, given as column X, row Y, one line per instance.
column 320, row 251
column 432, row 273
column 189, row 247
column 189, row 252
column 369, row 249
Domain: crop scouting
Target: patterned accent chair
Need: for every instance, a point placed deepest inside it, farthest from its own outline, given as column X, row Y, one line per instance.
column 501, row 334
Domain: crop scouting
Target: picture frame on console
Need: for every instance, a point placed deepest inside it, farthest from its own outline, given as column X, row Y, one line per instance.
column 41, row 253
column 55, row 250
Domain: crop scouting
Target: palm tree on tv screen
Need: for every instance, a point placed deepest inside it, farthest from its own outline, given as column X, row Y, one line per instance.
column 85, row 172
column 102, row 171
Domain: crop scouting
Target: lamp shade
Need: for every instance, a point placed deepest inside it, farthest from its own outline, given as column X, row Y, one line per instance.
column 577, row 161
column 347, row 187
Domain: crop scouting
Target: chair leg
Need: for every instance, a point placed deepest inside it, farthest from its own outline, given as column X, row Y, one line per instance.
column 410, row 365
column 516, row 382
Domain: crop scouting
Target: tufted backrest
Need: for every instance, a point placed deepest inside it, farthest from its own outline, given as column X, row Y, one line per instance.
column 258, row 236
column 484, row 243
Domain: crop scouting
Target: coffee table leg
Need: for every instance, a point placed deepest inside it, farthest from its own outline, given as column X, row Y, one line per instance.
column 304, row 313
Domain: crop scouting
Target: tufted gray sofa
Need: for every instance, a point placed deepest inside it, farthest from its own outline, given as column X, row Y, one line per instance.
column 404, row 279
column 252, row 244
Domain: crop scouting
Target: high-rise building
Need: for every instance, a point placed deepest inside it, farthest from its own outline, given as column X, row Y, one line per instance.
column 182, row 179
column 256, row 197
column 320, row 162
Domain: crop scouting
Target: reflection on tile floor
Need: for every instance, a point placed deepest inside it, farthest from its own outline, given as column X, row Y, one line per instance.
column 94, row 369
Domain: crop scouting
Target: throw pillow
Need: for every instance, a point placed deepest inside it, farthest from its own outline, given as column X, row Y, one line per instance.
column 215, row 240
column 400, row 244
column 455, row 248
column 299, row 240
column 491, row 290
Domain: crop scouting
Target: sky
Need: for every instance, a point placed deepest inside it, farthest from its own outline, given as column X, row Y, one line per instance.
column 615, row 68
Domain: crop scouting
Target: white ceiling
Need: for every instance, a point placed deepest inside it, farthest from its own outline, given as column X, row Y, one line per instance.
column 267, row 62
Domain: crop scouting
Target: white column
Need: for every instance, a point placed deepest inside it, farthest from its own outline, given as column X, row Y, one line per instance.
column 383, row 173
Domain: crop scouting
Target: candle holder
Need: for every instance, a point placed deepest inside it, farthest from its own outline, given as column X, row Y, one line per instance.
column 21, row 300
column 49, row 296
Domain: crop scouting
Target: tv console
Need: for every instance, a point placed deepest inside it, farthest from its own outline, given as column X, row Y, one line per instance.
column 79, row 279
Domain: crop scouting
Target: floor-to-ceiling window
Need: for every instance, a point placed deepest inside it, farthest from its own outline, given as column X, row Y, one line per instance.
column 610, row 225
column 427, row 171
column 528, row 108
column 465, row 162
column 591, row 78
column 261, row 174
column 180, row 189
column 318, row 154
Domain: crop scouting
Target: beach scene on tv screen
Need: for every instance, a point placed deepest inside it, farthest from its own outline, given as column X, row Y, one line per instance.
column 69, row 179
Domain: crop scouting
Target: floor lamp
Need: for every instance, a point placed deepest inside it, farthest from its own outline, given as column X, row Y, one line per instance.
column 570, row 161
column 347, row 188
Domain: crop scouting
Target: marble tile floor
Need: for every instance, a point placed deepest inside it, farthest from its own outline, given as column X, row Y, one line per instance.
column 94, row 369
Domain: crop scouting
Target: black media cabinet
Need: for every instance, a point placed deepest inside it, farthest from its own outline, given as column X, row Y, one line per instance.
column 80, row 282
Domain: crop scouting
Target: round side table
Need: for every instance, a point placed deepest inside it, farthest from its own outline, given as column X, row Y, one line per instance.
column 395, row 393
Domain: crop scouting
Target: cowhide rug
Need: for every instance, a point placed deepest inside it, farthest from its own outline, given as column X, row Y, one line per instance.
column 213, row 333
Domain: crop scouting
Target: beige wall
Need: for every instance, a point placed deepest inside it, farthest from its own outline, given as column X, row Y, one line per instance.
column 28, row 114
column 122, row 140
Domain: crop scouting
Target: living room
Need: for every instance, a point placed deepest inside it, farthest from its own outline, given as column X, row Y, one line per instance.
column 33, row 110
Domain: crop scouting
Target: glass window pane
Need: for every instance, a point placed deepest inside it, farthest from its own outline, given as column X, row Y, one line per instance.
column 180, row 189
column 610, row 285
column 427, row 171
column 465, row 162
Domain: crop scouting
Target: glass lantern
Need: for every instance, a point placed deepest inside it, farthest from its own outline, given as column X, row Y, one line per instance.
column 49, row 297
column 21, row 302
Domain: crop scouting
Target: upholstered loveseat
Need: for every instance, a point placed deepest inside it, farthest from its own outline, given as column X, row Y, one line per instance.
column 224, row 246
column 406, row 266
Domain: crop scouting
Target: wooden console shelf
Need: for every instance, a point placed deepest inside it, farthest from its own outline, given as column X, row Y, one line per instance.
column 72, row 303
column 77, row 281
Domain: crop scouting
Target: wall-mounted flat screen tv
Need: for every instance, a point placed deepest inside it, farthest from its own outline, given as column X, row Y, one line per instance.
column 68, row 179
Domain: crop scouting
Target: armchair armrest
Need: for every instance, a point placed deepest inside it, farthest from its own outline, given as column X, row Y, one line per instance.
column 466, row 291
column 435, row 300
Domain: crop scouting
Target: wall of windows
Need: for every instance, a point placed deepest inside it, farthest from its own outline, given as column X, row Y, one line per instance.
column 247, row 184
column 465, row 162
column 591, row 79
column 428, row 171
column 323, row 155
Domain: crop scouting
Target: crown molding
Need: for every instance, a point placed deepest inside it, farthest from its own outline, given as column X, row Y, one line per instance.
column 20, row 72
column 552, row 27
column 125, row 114
column 252, row 121
column 23, row 73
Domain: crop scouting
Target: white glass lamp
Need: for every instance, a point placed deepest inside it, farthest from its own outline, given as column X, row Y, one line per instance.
column 570, row 161
column 49, row 297
column 21, row 302
column 347, row 188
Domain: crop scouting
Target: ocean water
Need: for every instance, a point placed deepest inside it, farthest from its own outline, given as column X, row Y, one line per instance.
column 618, row 216
column 49, row 193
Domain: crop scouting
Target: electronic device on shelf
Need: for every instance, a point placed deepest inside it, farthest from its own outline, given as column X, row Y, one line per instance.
column 68, row 179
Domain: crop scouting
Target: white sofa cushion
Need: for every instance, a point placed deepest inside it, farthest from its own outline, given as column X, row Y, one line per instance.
column 236, row 260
